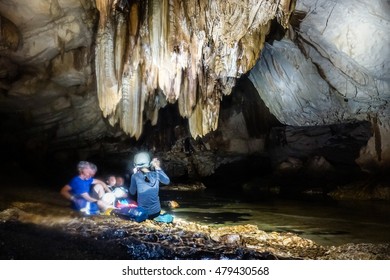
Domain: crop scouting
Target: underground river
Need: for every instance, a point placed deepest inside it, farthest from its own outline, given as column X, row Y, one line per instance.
column 325, row 221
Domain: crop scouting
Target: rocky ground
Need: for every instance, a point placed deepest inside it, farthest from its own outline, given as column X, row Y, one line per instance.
column 28, row 231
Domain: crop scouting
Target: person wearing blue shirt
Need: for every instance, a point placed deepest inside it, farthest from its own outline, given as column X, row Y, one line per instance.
column 79, row 187
column 145, row 183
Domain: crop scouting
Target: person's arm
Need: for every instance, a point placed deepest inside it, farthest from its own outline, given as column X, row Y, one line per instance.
column 87, row 197
column 65, row 192
column 97, row 181
column 133, row 186
column 162, row 177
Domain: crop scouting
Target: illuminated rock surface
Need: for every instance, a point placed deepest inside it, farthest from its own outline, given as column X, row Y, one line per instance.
column 63, row 60
column 185, row 51
column 104, row 237
column 333, row 68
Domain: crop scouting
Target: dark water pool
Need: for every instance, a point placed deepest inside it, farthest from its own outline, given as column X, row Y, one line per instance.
column 324, row 221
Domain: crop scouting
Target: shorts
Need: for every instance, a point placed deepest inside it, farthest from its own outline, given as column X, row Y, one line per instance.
column 86, row 207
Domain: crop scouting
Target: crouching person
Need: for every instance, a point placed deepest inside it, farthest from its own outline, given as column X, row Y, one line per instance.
column 145, row 183
column 78, row 190
column 104, row 192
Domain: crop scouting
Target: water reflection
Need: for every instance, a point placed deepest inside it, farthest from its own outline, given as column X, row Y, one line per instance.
column 324, row 221
column 221, row 218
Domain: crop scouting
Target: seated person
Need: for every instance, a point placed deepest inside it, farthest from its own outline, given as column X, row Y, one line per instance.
column 78, row 190
column 111, row 182
column 106, row 194
column 122, row 194
column 120, row 190
column 120, row 182
column 145, row 183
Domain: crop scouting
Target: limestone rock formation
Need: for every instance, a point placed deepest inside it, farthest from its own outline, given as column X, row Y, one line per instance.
column 47, row 89
column 333, row 67
column 75, row 72
column 155, row 51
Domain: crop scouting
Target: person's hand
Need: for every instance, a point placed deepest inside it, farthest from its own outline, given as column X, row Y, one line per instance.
column 156, row 163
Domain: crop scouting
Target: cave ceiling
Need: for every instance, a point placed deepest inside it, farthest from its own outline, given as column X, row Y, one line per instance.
column 78, row 70
column 191, row 52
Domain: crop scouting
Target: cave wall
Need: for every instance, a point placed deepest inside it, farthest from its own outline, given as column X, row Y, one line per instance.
column 332, row 67
column 317, row 69
column 48, row 92
column 190, row 52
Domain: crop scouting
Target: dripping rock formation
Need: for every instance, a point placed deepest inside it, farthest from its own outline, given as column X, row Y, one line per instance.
column 151, row 52
column 107, row 77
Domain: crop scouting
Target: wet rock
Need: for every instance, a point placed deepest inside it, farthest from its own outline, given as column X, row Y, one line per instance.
column 114, row 234
column 321, row 148
column 314, row 191
column 363, row 251
column 9, row 215
column 289, row 166
column 231, row 239
column 123, row 239
column 137, row 249
column 318, row 165
column 171, row 204
column 366, row 190
column 375, row 156
column 198, row 186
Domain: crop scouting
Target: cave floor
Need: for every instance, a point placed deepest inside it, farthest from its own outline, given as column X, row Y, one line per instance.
column 36, row 223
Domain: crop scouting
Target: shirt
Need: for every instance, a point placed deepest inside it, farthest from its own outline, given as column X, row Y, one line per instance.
column 80, row 186
column 147, row 186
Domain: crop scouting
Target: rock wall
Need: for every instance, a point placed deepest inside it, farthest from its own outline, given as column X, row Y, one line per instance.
column 48, row 103
column 189, row 51
column 84, row 77
column 332, row 67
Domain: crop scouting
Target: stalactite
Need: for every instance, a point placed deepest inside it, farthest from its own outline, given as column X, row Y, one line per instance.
column 195, row 121
column 104, row 8
column 131, row 118
column 190, row 52
column 155, row 30
column 120, row 44
column 107, row 83
column 286, row 7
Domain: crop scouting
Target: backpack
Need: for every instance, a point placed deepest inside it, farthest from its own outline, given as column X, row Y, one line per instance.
column 137, row 214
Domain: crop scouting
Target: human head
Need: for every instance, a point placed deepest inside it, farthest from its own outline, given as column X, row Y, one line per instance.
column 92, row 169
column 111, row 180
column 142, row 160
column 120, row 181
column 84, row 168
column 82, row 165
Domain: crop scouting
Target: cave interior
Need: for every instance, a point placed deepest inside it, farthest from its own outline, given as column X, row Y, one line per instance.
column 276, row 110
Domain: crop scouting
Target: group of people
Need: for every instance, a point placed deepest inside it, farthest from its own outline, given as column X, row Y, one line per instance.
column 92, row 196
